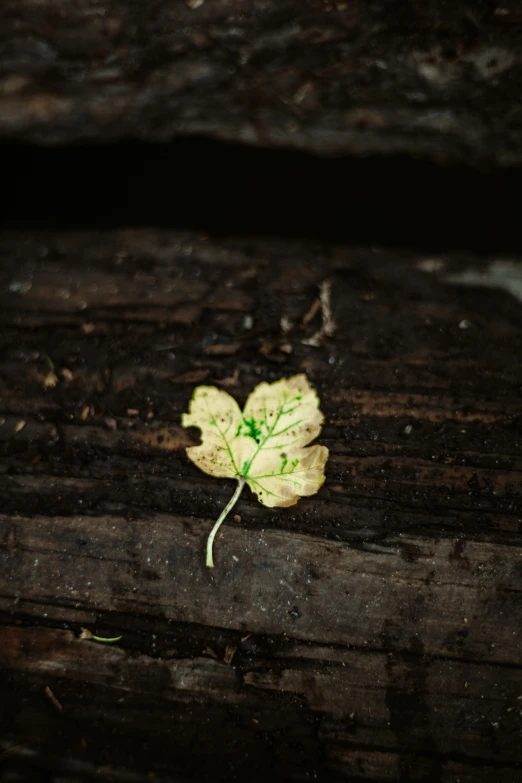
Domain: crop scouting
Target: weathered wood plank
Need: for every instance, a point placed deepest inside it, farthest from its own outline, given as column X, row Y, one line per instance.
column 346, row 696
column 331, row 78
column 373, row 631
column 438, row 597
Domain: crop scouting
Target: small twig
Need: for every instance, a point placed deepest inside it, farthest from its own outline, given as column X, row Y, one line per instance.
column 50, row 695
column 328, row 323
column 314, row 309
column 325, row 292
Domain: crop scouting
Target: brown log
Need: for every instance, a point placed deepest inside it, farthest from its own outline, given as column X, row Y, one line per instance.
column 433, row 79
column 372, row 632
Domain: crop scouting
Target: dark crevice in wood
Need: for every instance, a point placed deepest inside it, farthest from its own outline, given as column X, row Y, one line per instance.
column 224, row 189
column 264, row 652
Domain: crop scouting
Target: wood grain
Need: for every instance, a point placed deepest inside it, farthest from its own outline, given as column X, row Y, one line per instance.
column 330, row 78
column 370, row 633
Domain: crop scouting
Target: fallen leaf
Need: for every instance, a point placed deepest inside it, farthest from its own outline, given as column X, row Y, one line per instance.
column 263, row 446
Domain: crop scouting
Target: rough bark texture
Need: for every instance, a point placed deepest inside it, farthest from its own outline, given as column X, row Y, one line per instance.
column 371, row 632
column 439, row 79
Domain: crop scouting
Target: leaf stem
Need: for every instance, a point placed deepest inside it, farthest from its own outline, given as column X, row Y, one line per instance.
column 228, row 508
column 105, row 640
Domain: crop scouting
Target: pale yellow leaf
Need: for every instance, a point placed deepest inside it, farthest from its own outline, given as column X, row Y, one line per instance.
column 223, row 451
column 265, row 447
column 283, row 417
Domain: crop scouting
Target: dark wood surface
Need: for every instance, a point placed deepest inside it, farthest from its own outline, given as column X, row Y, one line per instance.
column 436, row 79
column 371, row 632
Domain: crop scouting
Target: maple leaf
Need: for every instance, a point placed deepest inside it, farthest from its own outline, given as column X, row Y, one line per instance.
column 265, row 446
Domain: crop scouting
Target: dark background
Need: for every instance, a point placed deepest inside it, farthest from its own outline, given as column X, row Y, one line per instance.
column 224, row 188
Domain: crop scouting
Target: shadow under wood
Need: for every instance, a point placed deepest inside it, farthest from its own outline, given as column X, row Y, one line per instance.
column 230, row 189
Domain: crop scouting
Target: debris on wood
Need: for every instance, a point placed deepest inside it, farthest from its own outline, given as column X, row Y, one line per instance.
column 286, row 324
column 50, row 695
column 50, row 380
column 230, row 651
column 192, row 376
column 87, row 635
column 231, row 380
column 10, row 751
column 312, row 312
column 328, row 324
column 222, row 349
